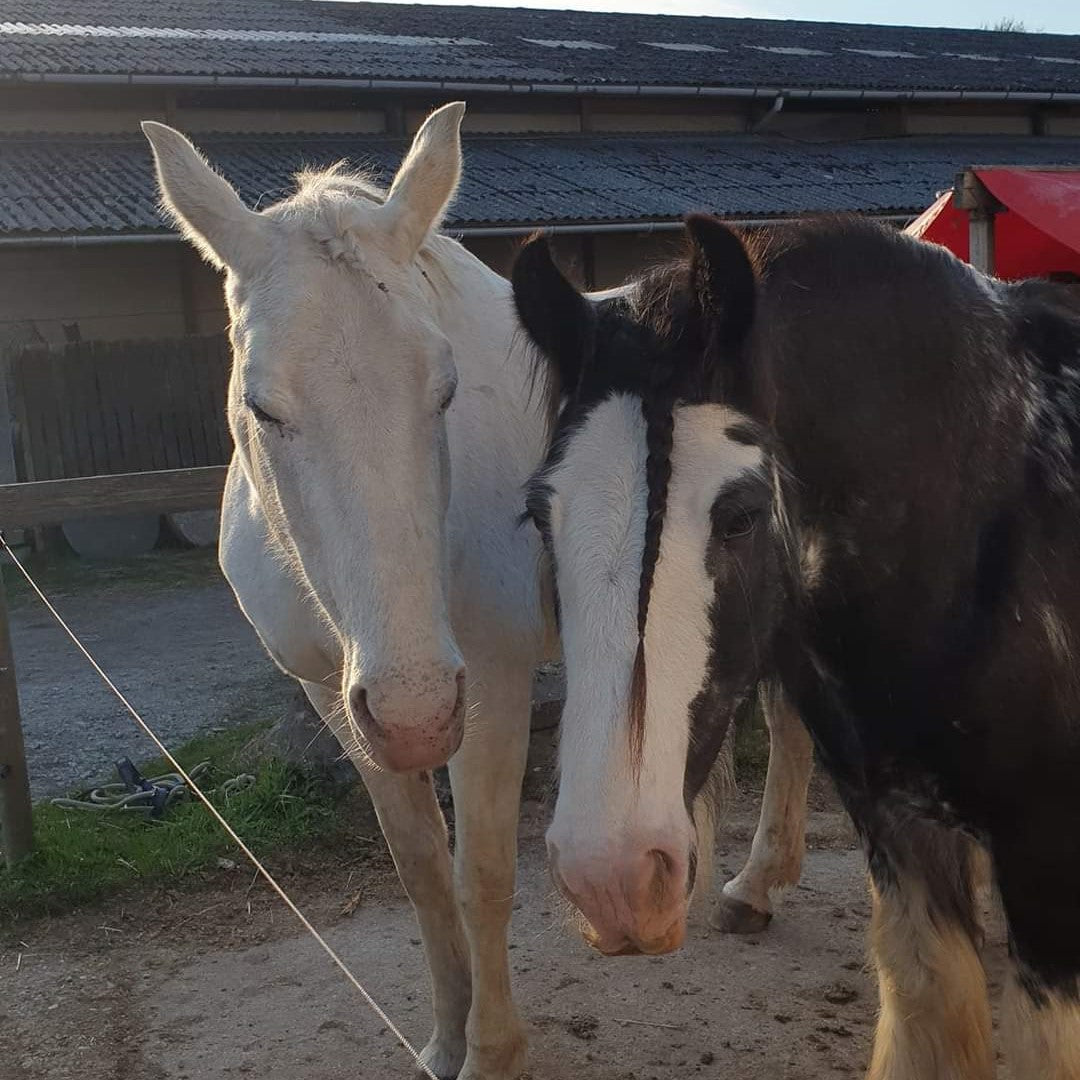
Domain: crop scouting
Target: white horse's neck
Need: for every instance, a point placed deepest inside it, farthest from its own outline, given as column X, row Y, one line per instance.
column 474, row 301
column 477, row 315
column 497, row 429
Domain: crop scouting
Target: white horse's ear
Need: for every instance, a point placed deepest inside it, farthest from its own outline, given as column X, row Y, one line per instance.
column 203, row 203
column 427, row 180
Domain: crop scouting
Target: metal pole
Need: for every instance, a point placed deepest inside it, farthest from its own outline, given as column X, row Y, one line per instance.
column 16, row 819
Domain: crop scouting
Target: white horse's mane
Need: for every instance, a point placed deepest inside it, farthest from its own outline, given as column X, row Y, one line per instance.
column 314, row 185
column 334, row 204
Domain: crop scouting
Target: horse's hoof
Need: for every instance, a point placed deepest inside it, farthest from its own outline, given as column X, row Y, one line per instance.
column 732, row 916
column 443, row 1059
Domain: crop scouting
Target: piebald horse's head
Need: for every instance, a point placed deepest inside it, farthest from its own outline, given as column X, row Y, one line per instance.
column 655, row 505
column 342, row 378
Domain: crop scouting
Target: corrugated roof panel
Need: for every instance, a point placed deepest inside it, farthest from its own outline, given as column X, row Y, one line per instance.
column 104, row 184
column 395, row 41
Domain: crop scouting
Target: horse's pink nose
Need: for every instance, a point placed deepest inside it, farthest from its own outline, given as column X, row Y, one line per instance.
column 635, row 902
column 411, row 724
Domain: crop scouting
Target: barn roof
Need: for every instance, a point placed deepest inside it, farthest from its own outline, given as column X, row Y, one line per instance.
column 451, row 46
column 86, row 185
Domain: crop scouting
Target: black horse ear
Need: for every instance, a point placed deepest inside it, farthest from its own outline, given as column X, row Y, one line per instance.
column 723, row 280
column 560, row 321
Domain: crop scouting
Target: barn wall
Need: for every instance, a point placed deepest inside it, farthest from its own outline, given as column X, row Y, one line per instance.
column 207, row 294
column 479, row 123
column 109, row 292
column 1062, row 125
column 621, row 255
column 102, row 109
column 818, row 123
column 616, row 114
column 367, row 121
column 497, row 251
column 109, row 109
column 991, row 120
column 599, row 116
column 590, row 260
column 114, row 292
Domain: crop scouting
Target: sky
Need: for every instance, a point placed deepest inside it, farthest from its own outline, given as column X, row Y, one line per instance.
column 1049, row 16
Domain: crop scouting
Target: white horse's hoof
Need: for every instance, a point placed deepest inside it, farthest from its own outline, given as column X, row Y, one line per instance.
column 732, row 916
column 444, row 1057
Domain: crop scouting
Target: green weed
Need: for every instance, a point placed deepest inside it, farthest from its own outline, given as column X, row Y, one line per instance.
column 81, row 857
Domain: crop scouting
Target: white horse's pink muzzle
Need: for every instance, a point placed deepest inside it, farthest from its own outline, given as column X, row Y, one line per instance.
column 408, row 729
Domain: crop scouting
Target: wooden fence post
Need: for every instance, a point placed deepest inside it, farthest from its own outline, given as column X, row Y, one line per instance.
column 981, row 240
column 971, row 195
column 16, row 819
column 8, row 474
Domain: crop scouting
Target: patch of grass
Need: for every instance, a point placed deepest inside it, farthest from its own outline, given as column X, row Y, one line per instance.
column 223, row 747
column 65, row 574
column 82, row 857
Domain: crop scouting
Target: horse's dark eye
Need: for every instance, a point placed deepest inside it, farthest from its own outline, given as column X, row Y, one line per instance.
column 741, row 524
column 260, row 413
column 447, row 391
column 537, row 513
column 536, row 520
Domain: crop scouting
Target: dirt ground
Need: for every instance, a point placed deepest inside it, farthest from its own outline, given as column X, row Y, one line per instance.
column 220, row 982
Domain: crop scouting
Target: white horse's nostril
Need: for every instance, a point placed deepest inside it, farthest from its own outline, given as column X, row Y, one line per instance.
column 459, row 704
column 361, row 713
column 380, row 714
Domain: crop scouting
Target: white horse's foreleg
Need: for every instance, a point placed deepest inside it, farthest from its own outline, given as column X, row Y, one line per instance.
column 486, row 775
column 745, row 906
column 415, row 832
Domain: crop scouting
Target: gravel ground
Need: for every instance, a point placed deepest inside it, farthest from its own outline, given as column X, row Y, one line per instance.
column 186, row 657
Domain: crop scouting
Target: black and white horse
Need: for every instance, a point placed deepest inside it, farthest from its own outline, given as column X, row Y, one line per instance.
column 837, row 459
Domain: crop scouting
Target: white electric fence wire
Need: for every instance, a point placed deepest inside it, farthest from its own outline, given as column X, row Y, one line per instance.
column 193, row 787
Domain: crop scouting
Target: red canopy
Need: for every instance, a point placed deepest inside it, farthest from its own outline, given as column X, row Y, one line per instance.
column 1037, row 234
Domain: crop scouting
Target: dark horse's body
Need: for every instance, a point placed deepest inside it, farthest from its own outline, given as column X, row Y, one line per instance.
column 933, row 452
column 921, row 426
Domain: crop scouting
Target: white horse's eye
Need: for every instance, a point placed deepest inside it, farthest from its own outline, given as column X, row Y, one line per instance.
column 448, row 397
column 260, row 413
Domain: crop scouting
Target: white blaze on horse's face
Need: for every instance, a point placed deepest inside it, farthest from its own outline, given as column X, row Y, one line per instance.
column 622, row 840
column 341, row 381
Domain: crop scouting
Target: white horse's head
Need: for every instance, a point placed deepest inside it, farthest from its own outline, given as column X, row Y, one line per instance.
column 341, row 381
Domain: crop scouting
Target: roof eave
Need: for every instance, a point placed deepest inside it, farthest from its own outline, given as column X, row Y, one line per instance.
column 465, row 230
column 572, row 89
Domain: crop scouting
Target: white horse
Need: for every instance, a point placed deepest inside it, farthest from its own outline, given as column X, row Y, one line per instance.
column 382, row 410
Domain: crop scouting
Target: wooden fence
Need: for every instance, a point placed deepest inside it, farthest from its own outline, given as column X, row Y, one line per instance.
column 93, row 428
column 103, row 407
